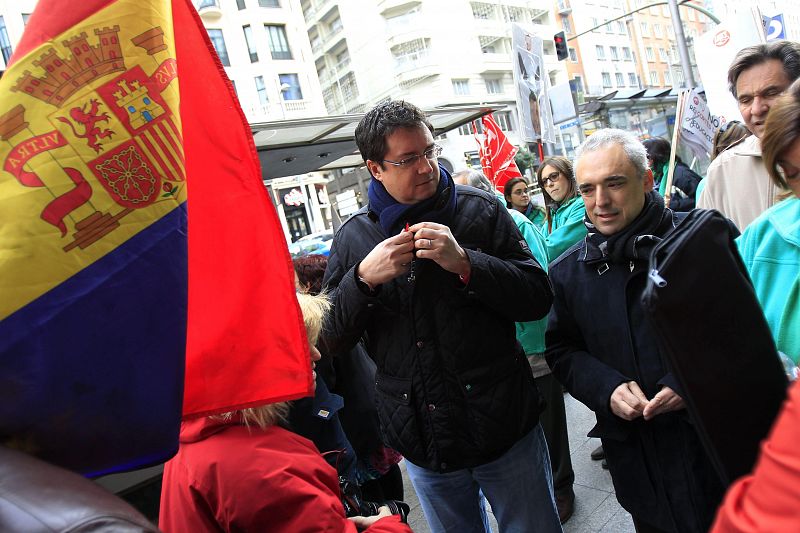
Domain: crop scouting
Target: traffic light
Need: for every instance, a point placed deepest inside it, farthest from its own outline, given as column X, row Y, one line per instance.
column 560, row 40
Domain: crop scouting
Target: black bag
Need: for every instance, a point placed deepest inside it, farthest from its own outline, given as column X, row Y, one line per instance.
column 713, row 332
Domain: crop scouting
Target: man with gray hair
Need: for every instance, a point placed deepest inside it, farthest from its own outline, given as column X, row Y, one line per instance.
column 738, row 184
column 600, row 345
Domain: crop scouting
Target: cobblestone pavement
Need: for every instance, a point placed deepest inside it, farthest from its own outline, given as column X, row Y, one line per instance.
column 596, row 507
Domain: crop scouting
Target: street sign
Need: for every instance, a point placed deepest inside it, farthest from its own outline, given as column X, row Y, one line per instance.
column 567, row 125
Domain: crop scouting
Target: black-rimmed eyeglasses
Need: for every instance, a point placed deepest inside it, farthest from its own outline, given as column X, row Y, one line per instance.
column 430, row 154
column 552, row 178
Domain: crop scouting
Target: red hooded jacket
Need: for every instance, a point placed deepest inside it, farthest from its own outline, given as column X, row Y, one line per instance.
column 230, row 477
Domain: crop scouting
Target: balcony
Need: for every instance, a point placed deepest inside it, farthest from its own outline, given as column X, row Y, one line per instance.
column 284, row 110
column 415, row 66
column 564, row 7
column 209, row 9
column 391, row 7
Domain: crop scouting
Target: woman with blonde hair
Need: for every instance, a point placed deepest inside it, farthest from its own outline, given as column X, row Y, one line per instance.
column 242, row 471
column 563, row 225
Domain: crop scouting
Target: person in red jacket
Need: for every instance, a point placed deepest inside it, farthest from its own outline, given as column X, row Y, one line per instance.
column 243, row 472
column 768, row 500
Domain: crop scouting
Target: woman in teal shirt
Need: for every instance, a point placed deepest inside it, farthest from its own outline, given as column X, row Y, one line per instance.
column 563, row 225
column 770, row 245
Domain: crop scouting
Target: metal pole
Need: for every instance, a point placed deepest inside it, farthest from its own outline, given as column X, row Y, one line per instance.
column 683, row 51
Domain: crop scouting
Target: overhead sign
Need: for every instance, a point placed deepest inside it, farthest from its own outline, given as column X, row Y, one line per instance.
column 774, row 28
column 562, row 103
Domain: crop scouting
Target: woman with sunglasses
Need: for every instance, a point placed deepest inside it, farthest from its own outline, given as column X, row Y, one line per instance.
column 518, row 197
column 563, row 224
column 768, row 499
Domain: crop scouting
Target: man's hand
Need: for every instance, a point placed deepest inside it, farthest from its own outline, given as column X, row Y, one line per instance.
column 434, row 241
column 363, row 522
column 665, row 401
column 628, row 401
column 389, row 259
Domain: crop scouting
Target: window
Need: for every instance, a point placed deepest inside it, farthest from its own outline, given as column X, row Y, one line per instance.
column 601, row 51
column 482, row 11
column 573, row 55
column 489, row 44
column 494, row 86
column 578, row 84
column 620, row 79
column 608, row 28
column 25, row 17
column 219, row 45
column 5, row 42
column 679, row 78
column 503, row 120
column 632, row 81
column 278, row 44
column 235, row 89
column 251, row 45
column 657, row 30
column 335, row 25
column 606, row 79
column 614, row 52
column 645, row 30
column 662, row 55
column 261, row 90
column 466, row 129
column 621, row 28
column 565, row 23
column 461, row 87
column 667, row 77
column 207, row 3
column 268, row 3
column 594, row 22
column 240, row 4
column 653, row 77
column 626, row 53
column 290, row 87
column 649, row 53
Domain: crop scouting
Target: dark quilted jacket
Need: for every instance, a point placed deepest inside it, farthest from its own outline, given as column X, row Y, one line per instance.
column 453, row 388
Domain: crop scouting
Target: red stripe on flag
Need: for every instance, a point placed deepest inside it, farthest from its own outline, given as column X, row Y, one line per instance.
column 158, row 135
column 246, row 342
column 174, row 129
column 177, row 148
column 144, row 139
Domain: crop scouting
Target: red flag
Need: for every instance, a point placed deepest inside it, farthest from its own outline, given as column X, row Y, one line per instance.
column 135, row 230
column 497, row 154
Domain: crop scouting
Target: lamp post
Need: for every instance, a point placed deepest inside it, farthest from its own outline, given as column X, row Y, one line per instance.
column 282, row 89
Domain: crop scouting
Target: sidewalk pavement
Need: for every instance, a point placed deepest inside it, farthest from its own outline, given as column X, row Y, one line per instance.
column 596, row 507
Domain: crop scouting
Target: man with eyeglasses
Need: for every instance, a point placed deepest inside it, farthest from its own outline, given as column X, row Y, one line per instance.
column 433, row 276
column 738, row 184
column 602, row 348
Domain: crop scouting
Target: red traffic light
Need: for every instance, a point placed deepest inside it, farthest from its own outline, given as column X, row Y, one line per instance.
column 560, row 42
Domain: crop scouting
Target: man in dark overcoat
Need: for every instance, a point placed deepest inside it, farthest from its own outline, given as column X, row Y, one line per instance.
column 602, row 348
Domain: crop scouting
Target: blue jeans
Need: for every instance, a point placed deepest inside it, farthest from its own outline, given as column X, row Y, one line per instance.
column 518, row 485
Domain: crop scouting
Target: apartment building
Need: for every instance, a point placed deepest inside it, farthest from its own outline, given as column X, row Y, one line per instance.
column 430, row 52
column 574, row 63
column 609, row 60
column 656, row 46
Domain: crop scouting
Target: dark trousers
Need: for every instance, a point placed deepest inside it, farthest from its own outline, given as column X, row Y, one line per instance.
column 644, row 527
column 554, row 424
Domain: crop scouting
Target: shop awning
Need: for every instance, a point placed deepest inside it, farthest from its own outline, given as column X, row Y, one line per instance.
column 292, row 147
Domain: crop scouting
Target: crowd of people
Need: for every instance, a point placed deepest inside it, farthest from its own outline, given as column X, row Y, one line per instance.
column 450, row 317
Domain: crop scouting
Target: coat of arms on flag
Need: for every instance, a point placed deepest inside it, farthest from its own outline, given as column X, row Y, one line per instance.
column 125, row 211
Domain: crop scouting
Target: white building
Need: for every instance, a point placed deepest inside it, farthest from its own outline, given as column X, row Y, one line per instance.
column 429, row 52
column 13, row 17
column 263, row 46
column 609, row 57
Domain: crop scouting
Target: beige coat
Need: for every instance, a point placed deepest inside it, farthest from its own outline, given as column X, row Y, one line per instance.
column 738, row 184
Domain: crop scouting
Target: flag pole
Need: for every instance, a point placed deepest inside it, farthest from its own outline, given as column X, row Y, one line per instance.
column 674, row 148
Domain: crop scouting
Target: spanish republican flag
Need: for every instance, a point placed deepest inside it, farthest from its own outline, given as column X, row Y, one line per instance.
column 136, row 240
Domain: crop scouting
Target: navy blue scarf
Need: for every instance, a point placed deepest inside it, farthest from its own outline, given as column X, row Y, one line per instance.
column 634, row 241
column 393, row 215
